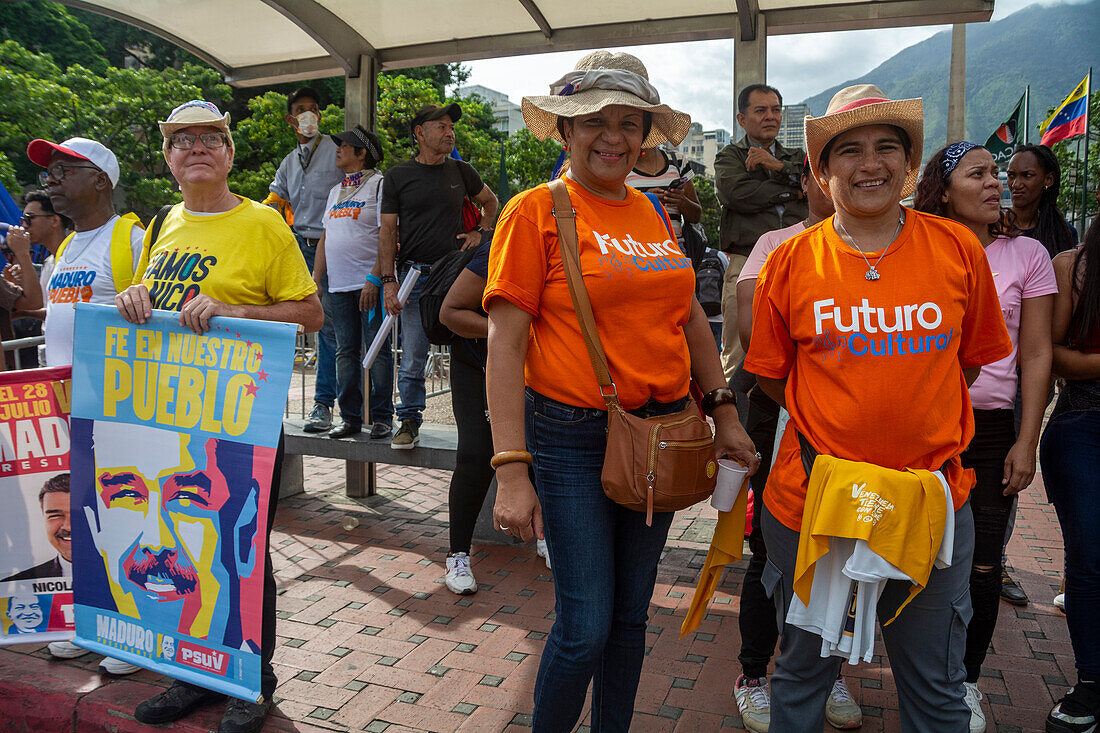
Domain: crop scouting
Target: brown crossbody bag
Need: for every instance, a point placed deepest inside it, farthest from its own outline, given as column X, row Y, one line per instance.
column 662, row 463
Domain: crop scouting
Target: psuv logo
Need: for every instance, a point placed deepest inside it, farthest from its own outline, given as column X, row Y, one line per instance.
column 197, row 657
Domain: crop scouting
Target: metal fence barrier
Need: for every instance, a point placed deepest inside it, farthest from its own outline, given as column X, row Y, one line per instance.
column 17, row 346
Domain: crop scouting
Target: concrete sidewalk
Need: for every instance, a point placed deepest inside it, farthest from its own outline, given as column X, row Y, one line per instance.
column 371, row 640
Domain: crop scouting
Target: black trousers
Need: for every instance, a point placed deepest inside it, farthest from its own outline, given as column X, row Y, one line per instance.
column 757, row 618
column 267, row 628
column 473, row 474
column 994, row 435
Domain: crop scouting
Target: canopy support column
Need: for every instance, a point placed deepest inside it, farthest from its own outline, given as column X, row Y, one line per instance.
column 956, row 94
column 750, row 59
column 361, row 95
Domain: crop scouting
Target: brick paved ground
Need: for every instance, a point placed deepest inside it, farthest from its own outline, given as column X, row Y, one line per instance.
column 370, row 639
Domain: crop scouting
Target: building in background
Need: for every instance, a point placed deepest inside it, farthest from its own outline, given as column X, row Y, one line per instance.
column 791, row 132
column 700, row 146
column 508, row 114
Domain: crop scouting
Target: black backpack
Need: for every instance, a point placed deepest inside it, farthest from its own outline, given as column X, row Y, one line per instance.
column 440, row 279
column 710, row 271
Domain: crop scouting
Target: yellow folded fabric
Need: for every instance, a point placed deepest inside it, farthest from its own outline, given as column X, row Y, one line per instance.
column 900, row 514
column 726, row 546
column 281, row 205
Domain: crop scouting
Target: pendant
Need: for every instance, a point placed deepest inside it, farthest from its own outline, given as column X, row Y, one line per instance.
column 872, row 274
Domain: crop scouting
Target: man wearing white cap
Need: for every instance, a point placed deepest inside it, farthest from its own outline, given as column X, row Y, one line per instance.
column 98, row 259
column 252, row 268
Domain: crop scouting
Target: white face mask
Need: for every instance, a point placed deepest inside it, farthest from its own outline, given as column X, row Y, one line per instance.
column 307, row 123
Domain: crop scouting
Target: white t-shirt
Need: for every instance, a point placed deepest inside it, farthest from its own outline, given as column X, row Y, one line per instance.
column 351, row 234
column 82, row 275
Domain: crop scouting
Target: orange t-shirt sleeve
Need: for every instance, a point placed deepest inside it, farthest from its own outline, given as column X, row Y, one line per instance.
column 985, row 337
column 771, row 349
column 517, row 260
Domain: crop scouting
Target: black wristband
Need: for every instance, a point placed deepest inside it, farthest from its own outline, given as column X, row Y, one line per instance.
column 716, row 397
column 388, row 279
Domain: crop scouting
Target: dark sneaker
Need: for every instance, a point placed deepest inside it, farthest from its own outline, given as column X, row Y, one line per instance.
column 242, row 716
column 174, row 703
column 1011, row 591
column 345, row 429
column 319, row 420
column 380, row 430
column 407, row 437
column 1077, row 712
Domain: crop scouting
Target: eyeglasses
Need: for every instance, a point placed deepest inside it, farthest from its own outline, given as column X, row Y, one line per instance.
column 56, row 173
column 28, row 219
column 210, row 140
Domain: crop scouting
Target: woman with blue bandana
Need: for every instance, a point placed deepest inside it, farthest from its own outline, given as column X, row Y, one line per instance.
column 960, row 182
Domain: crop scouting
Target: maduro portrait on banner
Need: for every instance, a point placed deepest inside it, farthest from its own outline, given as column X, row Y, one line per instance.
column 174, row 436
column 36, row 594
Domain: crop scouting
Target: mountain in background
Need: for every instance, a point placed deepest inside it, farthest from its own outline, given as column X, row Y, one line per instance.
column 1049, row 47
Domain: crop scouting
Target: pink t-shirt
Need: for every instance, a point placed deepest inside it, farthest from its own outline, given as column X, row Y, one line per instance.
column 764, row 246
column 1021, row 269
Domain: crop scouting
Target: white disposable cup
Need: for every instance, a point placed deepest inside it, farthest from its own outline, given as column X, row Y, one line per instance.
column 731, row 477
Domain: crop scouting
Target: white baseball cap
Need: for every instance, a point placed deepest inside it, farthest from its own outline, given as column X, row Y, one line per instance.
column 39, row 151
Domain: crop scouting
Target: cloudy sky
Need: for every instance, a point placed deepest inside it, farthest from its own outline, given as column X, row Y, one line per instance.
column 698, row 77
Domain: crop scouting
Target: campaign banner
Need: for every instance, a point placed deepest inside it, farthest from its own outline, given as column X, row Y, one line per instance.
column 174, row 436
column 36, row 593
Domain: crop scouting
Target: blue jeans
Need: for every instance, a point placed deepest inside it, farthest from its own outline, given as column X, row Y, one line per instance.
column 354, row 335
column 605, row 566
column 414, row 352
column 1069, row 454
column 324, row 390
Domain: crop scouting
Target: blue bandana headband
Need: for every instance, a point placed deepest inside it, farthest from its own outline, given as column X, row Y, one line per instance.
column 953, row 153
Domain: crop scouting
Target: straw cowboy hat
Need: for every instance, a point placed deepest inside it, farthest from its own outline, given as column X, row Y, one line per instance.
column 600, row 80
column 865, row 104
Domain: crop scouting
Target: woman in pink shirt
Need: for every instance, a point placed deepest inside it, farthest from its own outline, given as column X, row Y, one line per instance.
column 960, row 182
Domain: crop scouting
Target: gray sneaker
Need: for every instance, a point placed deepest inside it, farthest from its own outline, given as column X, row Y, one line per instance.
column 407, row 437
column 319, row 420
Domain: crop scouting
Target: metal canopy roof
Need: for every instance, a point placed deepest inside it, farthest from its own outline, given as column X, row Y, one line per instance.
column 259, row 42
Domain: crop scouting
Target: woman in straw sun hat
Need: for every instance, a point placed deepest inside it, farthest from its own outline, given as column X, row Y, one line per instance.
column 544, row 396
column 868, row 327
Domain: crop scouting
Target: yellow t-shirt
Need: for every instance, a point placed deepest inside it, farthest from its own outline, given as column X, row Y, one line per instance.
column 244, row 256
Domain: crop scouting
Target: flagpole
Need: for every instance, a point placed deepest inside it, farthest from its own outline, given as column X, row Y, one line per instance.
column 1085, row 176
column 1027, row 114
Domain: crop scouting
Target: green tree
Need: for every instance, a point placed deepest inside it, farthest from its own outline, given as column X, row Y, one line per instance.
column 712, row 210
column 529, row 161
column 50, row 28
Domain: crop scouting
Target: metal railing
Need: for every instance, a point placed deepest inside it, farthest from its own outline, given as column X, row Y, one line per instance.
column 437, row 373
column 17, row 346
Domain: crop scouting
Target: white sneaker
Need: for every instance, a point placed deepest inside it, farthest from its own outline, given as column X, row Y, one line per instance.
column 973, row 700
column 117, row 667
column 841, row 709
column 66, row 650
column 1060, row 602
column 460, row 578
column 541, row 551
column 754, row 701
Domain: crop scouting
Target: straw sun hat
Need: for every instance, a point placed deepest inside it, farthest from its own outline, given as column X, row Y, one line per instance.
column 865, row 104
column 600, row 80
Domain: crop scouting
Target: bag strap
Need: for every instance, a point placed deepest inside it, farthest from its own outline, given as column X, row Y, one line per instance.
column 660, row 209
column 566, row 218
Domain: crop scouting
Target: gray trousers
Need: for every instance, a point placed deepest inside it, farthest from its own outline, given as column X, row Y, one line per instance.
column 925, row 642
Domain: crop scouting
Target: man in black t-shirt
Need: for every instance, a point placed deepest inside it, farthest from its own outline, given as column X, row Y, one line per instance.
column 422, row 208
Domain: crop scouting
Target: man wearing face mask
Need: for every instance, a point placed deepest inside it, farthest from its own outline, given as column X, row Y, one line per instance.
column 302, row 182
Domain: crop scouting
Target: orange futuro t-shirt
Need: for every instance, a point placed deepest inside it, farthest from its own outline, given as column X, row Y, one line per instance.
column 640, row 284
column 874, row 369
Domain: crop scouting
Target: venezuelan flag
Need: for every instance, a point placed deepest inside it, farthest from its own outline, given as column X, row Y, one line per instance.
column 1070, row 118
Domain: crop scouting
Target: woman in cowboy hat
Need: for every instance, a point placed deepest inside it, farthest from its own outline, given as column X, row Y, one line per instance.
column 544, row 396
column 869, row 335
